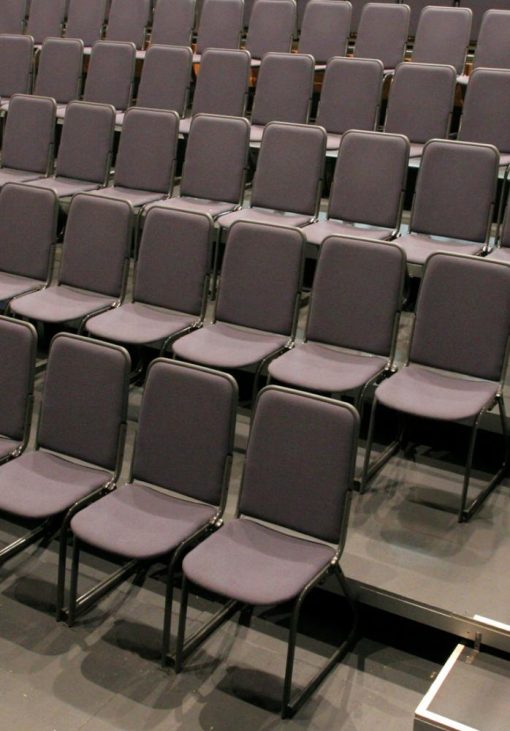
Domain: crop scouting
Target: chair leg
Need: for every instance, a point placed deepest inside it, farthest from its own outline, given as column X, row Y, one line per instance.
column 179, row 650
column 167, row 617
column 73, row 589
column 369, row 470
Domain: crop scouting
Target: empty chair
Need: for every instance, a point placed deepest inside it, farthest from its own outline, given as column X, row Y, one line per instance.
column 28, row 141
column 284, row 91
column 261, row 563
column 418, row 5
column 447, row 215
column 443, row 36
column 421, row 103
column 367, row 192
column 325, row 29
column 288, row 178
column 16, row 66
column 173, row 21
column 177, row 488
column 493, row 46
column 479, row 8
column 85, row 20
column 12, row 16
column 82, row 417
column 26, row 241
column 466, row 336
column 357, row 9
column 212, row 182
column 144, row 167
column 212, row 95
column 382, row 33
column 171, row 282
column 85, row 150
column 46, row 19
column 350, row 97
column 272, row 27
column 220, row 26
column 60, row 69
column 93, row 269
column 128, row 21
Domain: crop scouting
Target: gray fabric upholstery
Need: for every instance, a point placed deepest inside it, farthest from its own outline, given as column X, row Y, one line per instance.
column 220, row 24
column 443, row 205
column 500, row 254
column 61, row 304
column 165, row 79
column 195, row 205
column 357, row 9
column 284, row 88
column 382, row 33
column 421, row 101
column 85, row 20
column 128, row 20
column 325, row 29
column 315, row 233
column 138, row 324
column 45, row 19
column 29, row 134
column 418, row 5
column 486, row 108
column 16, row 54
column 173, row 21
column 133, row 196
column 493, row 46
column 84, row 400
column 65, row 187
column 11, row 285
column 12, row 175
column 110, row 74
column 443, row 36
column 264, row 215
column 350, row 96
column 12, row 16
column 419, row 247
column 18, row 345
column 271, row 28
column 59, row 70
column 212, row 95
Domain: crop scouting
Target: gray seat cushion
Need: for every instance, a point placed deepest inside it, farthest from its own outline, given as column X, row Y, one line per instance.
column 65, row 187
column 256, row 132
column 60, row 304
column 500, row 253
column 12, row 285
column 419, row 247
column 132, row 195
column 138, row 323
column 315, row 233
column 416, row 149
column 196, row 205
column 184, row 125
column 333, row 141
column 265, row 215
column 12, row 175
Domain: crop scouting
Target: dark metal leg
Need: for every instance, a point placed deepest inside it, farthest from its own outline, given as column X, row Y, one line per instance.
column 61, row 578
column 167, row 617
column 179, row 650
column 21, row 543
column 369, row 470
column 73, row 589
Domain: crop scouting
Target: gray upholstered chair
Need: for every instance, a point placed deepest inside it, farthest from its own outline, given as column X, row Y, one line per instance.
column 12, row 16
column 272, row 27
column 493, row 45
column 220, row 26
column 443, row 36
column 46, row 19
column 60, row 69
column 418, row 5
column 298, row 475
column 382, row 33
column 457, row 358
column 325, row 30
column 85, row 20
column 16, row 66
column 173, row 21
column 128, row 21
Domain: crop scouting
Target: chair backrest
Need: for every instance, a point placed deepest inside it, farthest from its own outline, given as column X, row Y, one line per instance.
column 216, row 158
column 86, row 143
column 290, row 168
column 456, row 332
column 443, row 204
column 28, row 230
column 357, row 9
column 443, row 36
column 272, row 27
column 18, row 345
column 16, row 64
column 166, row 78
column 382, row 33
column 220, row 24
column 325, row 29
column 299, row 466
column 284, row 88
column 370, row 178
column 29, row 133
column 12, row 16
column 84, row 406
column 45, row 19
column 351, row 94
column 85, row 20
column 486, row 109
column 110, row 74
column 261, row 277
column 174, row 260
column 479, row 8
column 493, row 47
column 147, row 150
column 173, row 22
column 357, row 295
column 170, row 451
column 213, row 93
column 421, row 101
column 59, row 73
column 97, row 242
column 128, row 21
column 418, row 5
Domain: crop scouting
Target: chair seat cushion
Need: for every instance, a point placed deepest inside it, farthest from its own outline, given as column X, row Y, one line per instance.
column 60, row 304
column 416, row 149
column 323, row 368
column 137, row 521
column 38, row 484
column 184, row 125
column 333, row 141
column 435, row 395
column 256, row 132
column 12, row 175
column 12, row 285
column 419, row 247
column 227, row 346
column 195, row 205
column 61, row 111
column 7, row 447
column 315, row 233
column 265, row 215
column 500, row 253
column 138, row 323
column 131, row 195
column 255, row 564
column 64, row 187
column 119, row 118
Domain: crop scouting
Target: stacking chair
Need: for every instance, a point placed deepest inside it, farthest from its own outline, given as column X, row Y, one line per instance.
column 85, row 150
column 325, row 30
column 357, row 9
column 284, row 91
column 18, row 345
column 352, row 325
column 443, row 36
column 28, row 233
column 382, row 33
column 479, row 8
column 493, row 46
column 94, row 265
column 171, row 282
column 85, row 20
column 350, row 97
column 212, row 94
column 12, row 16
column 176, row 492
column 447, row 214
column 46, row 19
column 173, row 22
column 28, row 142
column 457, row 357
column 298, row 475
column 288, row 178
column 421, row 103
column 368, row 188
column 418, row 5
column 83, row 417
column 60, row 69
column 144, row 168
column 16, row 66
column 272, row 27
column 220, row 26
column 257, row 302
column 128, row 21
